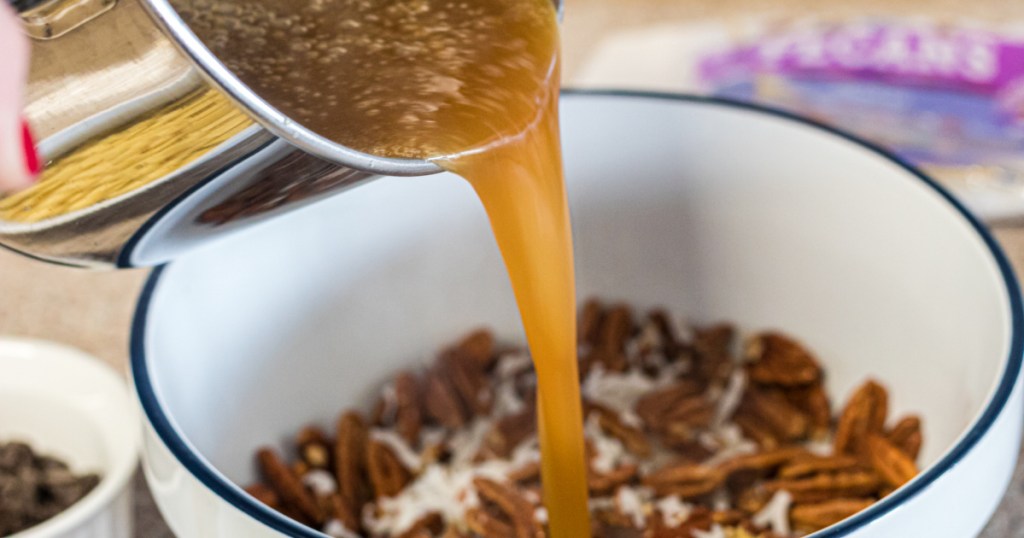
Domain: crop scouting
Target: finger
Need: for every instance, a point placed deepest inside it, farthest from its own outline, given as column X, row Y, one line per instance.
column 19, row 162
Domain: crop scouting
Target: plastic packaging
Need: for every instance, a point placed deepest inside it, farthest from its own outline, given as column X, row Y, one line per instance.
column 948, row 97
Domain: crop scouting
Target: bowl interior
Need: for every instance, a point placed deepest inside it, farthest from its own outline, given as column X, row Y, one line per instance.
column 717, row 212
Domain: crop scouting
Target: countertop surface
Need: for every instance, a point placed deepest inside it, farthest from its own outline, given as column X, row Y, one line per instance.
column 92, row 310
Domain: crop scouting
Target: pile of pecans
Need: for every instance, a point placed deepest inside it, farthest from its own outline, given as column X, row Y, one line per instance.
column 34, row 488
column 687, row 436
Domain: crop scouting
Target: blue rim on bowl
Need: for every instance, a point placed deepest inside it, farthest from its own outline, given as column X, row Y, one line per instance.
column 233, row 494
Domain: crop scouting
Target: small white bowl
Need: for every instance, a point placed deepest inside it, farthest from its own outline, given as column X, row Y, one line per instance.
column 716, row 210
column 69, row 405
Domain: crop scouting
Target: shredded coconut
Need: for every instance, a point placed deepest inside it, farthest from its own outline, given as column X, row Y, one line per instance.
column 720, row 500
column 409, row 458
column 715, row 531
column 447, row 490
column 656, row 360
column 649, row 338
column 631, row 504
column 532, row 495
column 820, row 447
column 660, row 457
column 727, row 442
column 775, row 514
column 632, row 348
column 674, row 512
column 512, row 364
column 629, row 418
column 731, row 397
column 684, row 329
column 506, row 399
column 336, row 529
column 466, row 443
column 320, row 481
column 608, row 451
column 431, row 436
column 618, row 392
column 601, row 503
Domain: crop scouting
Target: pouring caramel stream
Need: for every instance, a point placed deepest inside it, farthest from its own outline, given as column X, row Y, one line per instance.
column 472, row 85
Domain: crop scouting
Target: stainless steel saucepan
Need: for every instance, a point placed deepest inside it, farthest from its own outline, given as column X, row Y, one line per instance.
column 108, row 74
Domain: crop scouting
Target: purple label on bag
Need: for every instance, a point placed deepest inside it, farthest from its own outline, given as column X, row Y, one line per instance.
column 938, row 95
column 960, row 59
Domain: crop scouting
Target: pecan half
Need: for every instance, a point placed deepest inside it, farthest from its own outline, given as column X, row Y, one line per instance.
column 812, row 400
column 408, row 417
column 478, row 348
column 777, row 414
column 631, row 437
column 605, row 483
column 616, row 328
column 756, row 430
column 906, row 434
column 345, row 511
column 506, row 434
column 609, row 351
column 513, row 506
column 728, row 518
column 713, row 351
column 471, row 382
column 416, row 533
column 810, row 465
column 762, row 462
column 654, row 406
column 350, row 457
column 753, row 499
column 454, row 532
column 314, row 447
column 441, row 402
column 387, row 474
column 864, row 413
column 526, row 474
column 287, row 485
column 483, row 523
column 427, row 526
column 611, row 521
column 891, row 463
column 264, row 495
column 826, row 486
column 590, row 322
column 682, row 423
column 660, row 319
column 812, row 517
column 776, row 359
column 687, row 480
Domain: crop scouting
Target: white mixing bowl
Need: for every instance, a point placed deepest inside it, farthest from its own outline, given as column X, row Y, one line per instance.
column 716, row 210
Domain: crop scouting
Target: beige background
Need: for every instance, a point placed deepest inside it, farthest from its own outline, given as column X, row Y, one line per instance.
column 91, row 310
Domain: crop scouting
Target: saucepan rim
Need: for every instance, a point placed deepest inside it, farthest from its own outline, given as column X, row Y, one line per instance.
column 218, row 74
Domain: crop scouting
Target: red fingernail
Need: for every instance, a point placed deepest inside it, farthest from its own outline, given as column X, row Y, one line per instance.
column 32, row 160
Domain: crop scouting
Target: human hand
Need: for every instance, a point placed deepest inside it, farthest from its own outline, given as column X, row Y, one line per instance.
column 19, row 160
